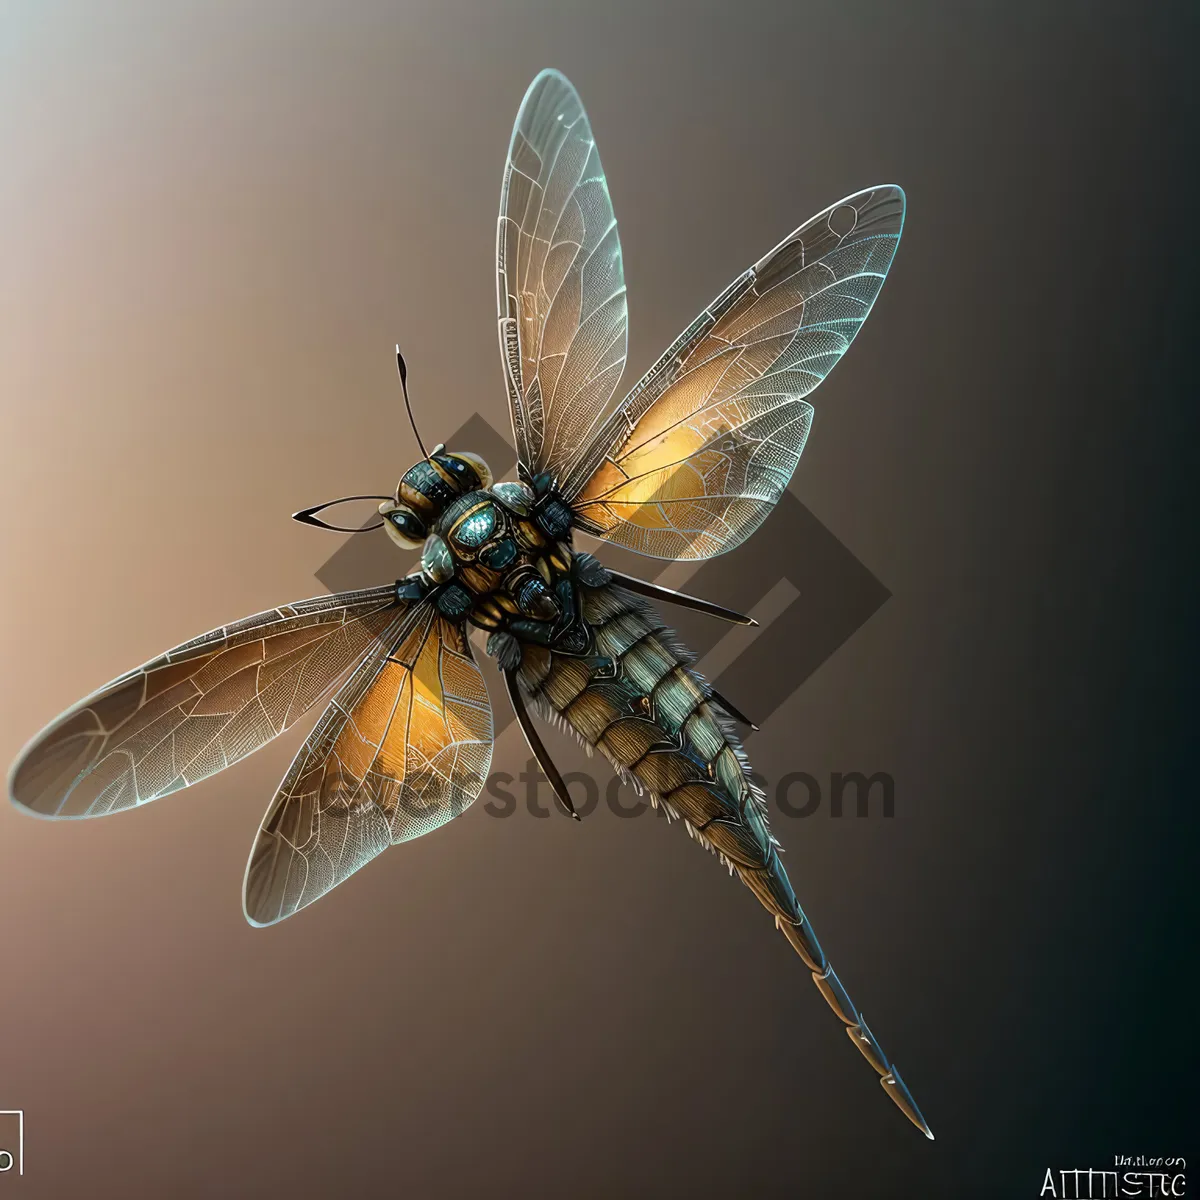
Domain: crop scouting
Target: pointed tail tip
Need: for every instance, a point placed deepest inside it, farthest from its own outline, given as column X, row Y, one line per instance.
column 902, row 1098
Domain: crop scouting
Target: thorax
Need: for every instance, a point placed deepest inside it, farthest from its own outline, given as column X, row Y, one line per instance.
column 502, row 558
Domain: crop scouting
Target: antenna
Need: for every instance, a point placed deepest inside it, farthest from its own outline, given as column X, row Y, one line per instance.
column 403, row 369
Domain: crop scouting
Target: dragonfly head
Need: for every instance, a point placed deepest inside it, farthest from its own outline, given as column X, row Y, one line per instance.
column 426, row 489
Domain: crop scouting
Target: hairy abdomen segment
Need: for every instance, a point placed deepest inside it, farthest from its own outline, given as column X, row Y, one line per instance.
column 638, row 701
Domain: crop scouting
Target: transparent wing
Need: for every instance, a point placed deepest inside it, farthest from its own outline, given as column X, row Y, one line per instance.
column 560, row 285
column 700, row 451
column 404, row 746
column 198, row 708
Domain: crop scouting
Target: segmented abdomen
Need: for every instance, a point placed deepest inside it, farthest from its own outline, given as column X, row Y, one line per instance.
column 637, row 700
column 650, row 715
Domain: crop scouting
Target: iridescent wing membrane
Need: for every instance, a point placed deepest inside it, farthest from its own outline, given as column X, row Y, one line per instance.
column 198, row 708
column 404, row 747
column 690, row 463
column 702, row 449
column 560, row 282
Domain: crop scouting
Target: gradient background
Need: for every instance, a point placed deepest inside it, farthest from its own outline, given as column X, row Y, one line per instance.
column 216, row 219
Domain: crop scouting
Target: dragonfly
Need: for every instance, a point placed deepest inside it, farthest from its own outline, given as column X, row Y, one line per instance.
column 686, row 466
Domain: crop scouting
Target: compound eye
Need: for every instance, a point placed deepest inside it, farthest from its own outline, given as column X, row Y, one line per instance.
column 403, row 525
column 473, row 463
column 437, row 563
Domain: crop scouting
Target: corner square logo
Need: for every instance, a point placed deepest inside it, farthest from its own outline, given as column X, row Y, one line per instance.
column 12, row 1142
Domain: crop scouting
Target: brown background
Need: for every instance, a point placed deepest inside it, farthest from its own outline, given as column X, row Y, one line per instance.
column 217, row 219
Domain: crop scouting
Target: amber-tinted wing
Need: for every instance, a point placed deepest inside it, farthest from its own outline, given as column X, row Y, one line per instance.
column 404, row 746
column 198, row 708
column 560, row 286
column 700, row 451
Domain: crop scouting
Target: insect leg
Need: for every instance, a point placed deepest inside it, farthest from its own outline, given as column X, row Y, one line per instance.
column 733, row 712
column 672, row 597
column 535, row 744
